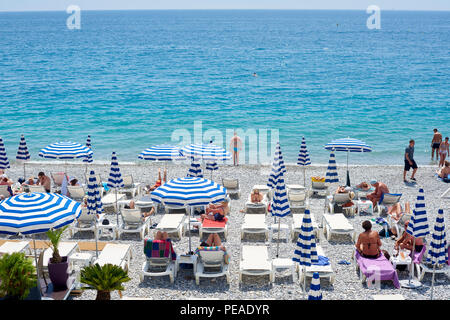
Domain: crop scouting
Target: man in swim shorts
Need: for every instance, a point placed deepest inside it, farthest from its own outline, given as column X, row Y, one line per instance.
column 435, row 143
column 235, row 146
column 409, row 161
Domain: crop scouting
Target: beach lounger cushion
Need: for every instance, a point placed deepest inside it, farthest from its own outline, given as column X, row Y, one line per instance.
column 379, row 268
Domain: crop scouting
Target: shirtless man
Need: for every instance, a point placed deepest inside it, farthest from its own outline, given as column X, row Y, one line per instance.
column 435, row 143
column 235, row 146
column 44, row 181
column 380, row 188
column 443, row 152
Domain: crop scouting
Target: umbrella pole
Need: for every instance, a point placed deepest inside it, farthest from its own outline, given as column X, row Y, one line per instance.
column 38, row 272
column 24, row 175
column 432, row 281
column 304, row 176
column 117, row 211
column 189, row 228
column 348, row 173
column 96, row 241
column 278, row 243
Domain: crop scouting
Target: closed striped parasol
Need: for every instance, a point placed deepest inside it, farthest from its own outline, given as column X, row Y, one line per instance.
column 303, row 159
column 29, row 213
column 331, row 175
column 195, row 170
column 115, row 180
column 88, row 159
column 23, row 154
column 65, row 151
column 4, row 162
column 314, row 291
column 280, row 205
column 278, row 167
column 94, row 201
column 438, row 252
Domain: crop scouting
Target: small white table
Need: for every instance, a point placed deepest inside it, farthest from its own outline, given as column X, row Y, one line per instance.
column 297, row 187
column 365, row 206
column 186, row 259
column 83, row 258
column 106, row 228
column 283, row 263
column 398, row 260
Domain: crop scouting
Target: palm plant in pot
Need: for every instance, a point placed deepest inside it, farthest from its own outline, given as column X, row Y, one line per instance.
column 17, row 276
column 57, row 266
column 104, row 279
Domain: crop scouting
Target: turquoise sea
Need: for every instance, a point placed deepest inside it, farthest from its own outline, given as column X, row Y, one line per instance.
column 130, row 78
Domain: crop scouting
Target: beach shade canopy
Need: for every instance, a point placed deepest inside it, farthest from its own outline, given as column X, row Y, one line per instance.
column 29, row 213
column 348, row 145
column 4, row 162
column 162, row 153
column 331, row 175
column 65, row 151
column 195, row 170
column 88, row 158
column 206, row 152
column 278, row 167
column 94, row 201
column 303, row 159
column 438, row 252
column 314, row 291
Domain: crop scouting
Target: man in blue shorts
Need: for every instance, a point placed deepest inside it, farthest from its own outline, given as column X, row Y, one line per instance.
column 409, row 161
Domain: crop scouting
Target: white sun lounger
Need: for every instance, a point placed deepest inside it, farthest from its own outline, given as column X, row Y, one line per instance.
column 86, row 222
column 66, row 249
column 211, row 264
column 297, row 199
column 232, row 186
column 318, row 189
column 115, row 253
column 255, row 261
column 258, row 207
column 255, row 224
column 324, row 271
column 171, row 223
column 132, row 222
column 388, row 200
column 297, row 225
column 337, row 223
column 224, row 229
column 76, row 193
column 339, row 199
column 57, row 178
column 15, row 246
column 130, row 186
column 4, row 191
column 159, row 267
column 36, row 188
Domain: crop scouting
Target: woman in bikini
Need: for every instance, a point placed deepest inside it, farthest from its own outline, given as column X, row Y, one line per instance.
column 216, row 212
column 443, row 152
column 369, row 242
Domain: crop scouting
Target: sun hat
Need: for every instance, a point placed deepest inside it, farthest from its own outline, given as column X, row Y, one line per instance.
column 373, row 181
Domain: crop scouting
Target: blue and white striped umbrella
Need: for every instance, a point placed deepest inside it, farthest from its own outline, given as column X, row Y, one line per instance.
column 418, row 224
column 22, row 152
column 65, row 151
column 280, row 204
column 348, row 144
column 212, row 166
column 303, row 155
column 162, row 153
column 29, row 213
column 189, row 191
column 115, row 177
column 94, row 201
column 195, row 170
column 331, row 175
column 88, row 159
column 278, row 167
column 438, row 252
column 206, row 152
column 4, row 162
column 314, row 292
column 306, row 253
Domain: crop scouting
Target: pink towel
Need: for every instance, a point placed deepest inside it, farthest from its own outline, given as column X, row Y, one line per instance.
column 381, row 264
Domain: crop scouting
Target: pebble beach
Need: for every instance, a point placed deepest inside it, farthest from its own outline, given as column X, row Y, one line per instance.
column 347, row 285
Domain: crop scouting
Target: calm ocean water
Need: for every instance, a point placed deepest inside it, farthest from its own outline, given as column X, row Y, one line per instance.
column 130, row 78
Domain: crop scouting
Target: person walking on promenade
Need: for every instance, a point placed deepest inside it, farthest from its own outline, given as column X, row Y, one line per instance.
column 409, row 161
column 435, row 143
column 235, row 146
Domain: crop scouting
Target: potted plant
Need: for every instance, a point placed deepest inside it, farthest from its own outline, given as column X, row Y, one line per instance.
column 17, row 276
column 104, row 279
column 57, row 266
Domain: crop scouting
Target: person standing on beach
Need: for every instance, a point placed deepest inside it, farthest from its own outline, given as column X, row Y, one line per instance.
column 235, row 146
column 435, row 143
column 444, row 151
column 409, row 161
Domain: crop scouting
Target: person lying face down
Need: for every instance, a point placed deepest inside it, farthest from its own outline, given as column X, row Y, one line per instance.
column 216, row 212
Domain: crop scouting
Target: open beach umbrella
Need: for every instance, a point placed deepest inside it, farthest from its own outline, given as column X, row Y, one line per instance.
column 348, row 145
column 331, row 175
column 88, row 158
column 418, row 228
column 280, row 205
column 163, row 152
column 23, row 154
column 314, row 291
column 306, row 253
column 189, row 192
column 4, row 162
column 65, row 151
column 94, row 201
column 115, row 179
column 438, row 252
column 303, row 159
column 31, row 213
column 195, row 170
column 207, row 152
column 278, row 168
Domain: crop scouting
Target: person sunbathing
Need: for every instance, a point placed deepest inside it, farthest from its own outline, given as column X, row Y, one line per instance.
column 145, row 214
column 444, row 173
column 406, row 241
column 256, row 196
column 380, row 188
column 214, row 241
column 73, row 182
column 396, row 211
column 369, row 242
column 158, row 182
column 216, row 212
column 343, row 189
column 29, row 182
column 363, row 186
column 161, row 235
